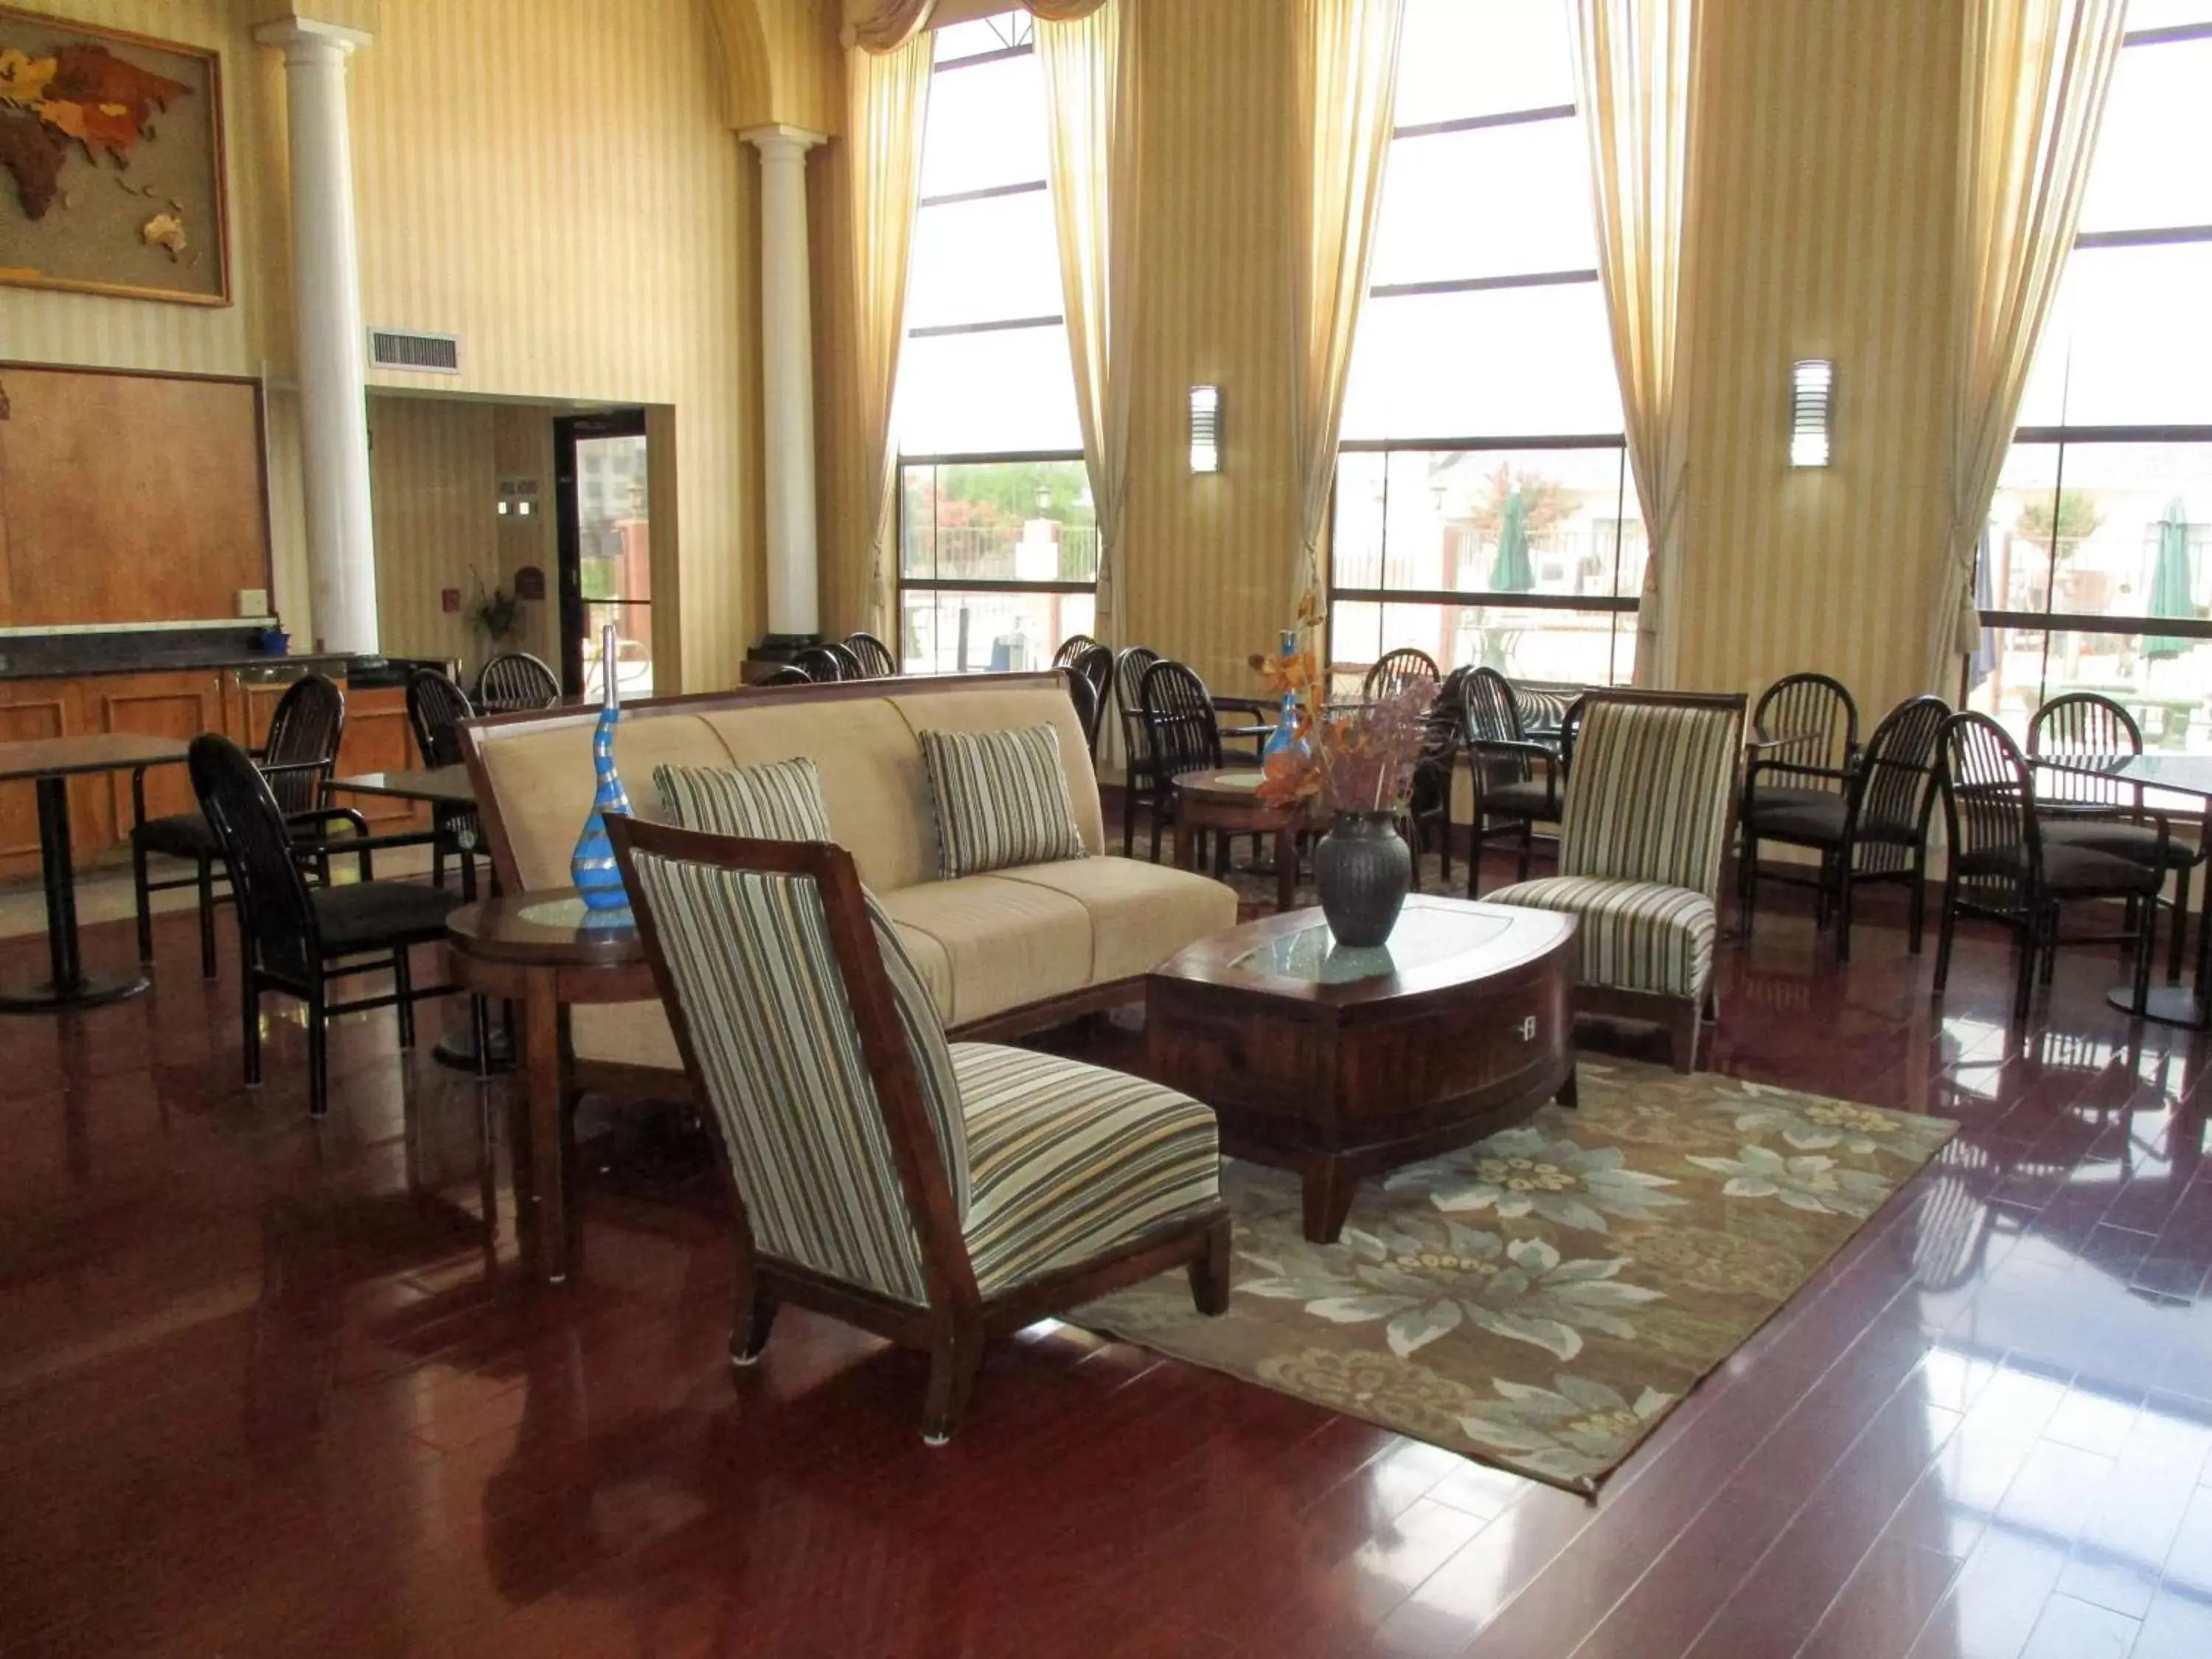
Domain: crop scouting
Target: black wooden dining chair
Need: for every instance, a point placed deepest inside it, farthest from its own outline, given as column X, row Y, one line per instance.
column 1094, row 663
column 436, row 709
column 1184, row 731
column 1876, row 830
column 296, row 938
column 1136, row 741
column 1429, row 810
column 1073, row 647
column 2105, row 814
column 1520, row 782
column 873, row 657
column 296, row 756
column 514, row 680
column 786, row 674
column 1082, row 694
column 2003, row 871
column 1804, row 738
column 1395, row 669
column 824, row 663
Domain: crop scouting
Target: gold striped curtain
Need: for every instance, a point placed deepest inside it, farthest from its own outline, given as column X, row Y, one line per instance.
column 1633, row 72
column 1346, row 87
column 889, row 107
column 1091, row 90
column 2035, row 75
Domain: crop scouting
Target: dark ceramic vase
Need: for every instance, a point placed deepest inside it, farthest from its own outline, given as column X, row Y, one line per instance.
column 1363, row 870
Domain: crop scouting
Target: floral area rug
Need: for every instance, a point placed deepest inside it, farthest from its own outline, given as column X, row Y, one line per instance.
column 1541, row 1300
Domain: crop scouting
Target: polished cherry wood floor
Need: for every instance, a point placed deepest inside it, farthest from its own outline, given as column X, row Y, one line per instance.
column 268, row 1387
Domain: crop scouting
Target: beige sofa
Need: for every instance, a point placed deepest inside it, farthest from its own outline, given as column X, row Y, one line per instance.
column 1004, row 953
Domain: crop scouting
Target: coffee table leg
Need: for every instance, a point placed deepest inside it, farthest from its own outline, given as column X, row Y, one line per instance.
column 1328, row 1193
column 1286, row 867
column 548, row 1164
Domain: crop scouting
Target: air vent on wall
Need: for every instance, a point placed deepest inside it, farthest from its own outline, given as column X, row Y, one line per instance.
column 426, row 354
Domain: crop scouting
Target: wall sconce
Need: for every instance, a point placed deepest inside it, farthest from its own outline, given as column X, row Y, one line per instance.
column 517, row 498
column 1811, row 388
column 1205, row 428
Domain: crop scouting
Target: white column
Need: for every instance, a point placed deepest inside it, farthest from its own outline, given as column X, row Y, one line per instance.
column 787, row 379
column 326, row 299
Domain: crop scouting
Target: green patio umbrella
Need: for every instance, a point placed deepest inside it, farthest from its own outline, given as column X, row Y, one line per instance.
column 2172, row 582
column 1510, row 572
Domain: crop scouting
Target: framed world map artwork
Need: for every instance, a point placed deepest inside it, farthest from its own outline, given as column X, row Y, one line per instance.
column 110, row 162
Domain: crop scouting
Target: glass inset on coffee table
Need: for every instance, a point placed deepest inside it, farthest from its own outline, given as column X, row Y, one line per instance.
column 1423, row 937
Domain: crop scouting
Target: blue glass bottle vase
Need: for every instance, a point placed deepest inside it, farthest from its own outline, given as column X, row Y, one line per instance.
column 591, row 866
column 1284, row 738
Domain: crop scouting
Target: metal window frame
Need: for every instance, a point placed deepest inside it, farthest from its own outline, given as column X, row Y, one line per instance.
column 1611, row 604
column 2048, row 622
column 903, row 584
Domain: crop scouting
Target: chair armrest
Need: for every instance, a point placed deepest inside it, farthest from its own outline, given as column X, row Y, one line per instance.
column 1518, row 746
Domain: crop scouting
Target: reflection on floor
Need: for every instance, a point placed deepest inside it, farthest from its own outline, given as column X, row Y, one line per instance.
column 272, row 1388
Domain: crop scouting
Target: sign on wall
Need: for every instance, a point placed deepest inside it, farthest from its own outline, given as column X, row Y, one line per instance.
column 110, row 162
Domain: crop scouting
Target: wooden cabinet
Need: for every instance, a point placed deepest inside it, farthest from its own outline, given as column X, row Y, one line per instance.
column 377, row 739
column 28, row 708
column 178, row 703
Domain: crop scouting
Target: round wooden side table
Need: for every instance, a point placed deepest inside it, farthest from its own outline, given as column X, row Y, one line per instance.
column 545, row 951
column 1228, row 801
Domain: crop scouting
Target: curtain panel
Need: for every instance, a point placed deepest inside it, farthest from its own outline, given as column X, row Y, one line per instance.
column 2035, row 76
column 887, row 111
column 1634, row 74
column 1345, row 93
column 1091, row 90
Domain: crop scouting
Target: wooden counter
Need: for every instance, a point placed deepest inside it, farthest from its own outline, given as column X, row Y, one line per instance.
column 176, row 703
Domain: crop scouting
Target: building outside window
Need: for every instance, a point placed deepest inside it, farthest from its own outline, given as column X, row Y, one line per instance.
column 998, row 542
column 2093, row 574
column 1484, row 512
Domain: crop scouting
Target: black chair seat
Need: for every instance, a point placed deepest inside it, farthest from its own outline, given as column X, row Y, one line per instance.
column 181, row 835
column 2071, row 871
column 2136, row 843
column 1781, row 798
column 375, row 915
column 1819, row 822
column 1525, row 798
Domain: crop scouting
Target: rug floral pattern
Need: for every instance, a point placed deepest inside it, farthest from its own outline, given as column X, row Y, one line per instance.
column 1543, row 1299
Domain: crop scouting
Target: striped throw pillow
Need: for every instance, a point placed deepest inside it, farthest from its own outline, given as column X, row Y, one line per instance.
column 778, row 802
column 1000, row 799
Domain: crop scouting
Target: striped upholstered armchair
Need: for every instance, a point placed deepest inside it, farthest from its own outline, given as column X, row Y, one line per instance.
column 1641, row 839
column 937, row 1194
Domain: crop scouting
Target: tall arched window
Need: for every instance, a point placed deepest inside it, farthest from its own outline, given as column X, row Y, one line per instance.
column 998, row 547
column 2095, row 574
column 1484, row 511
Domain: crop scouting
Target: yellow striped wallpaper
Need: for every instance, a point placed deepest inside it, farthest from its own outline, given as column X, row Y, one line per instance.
column 1823, row 208
column 552, row 180
column 1209, row 559
column 436, row 479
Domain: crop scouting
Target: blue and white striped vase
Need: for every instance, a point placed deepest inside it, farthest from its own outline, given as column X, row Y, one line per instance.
column 592, row 867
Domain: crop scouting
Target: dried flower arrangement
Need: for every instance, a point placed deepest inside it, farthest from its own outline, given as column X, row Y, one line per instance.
column 1356, row 757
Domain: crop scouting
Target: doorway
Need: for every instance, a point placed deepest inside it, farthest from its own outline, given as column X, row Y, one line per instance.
column 605, row 531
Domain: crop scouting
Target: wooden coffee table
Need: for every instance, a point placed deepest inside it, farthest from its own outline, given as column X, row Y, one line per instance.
column 1341, row 1064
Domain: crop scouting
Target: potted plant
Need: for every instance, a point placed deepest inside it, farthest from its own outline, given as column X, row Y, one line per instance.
column 1352, row 762
column 497, row 613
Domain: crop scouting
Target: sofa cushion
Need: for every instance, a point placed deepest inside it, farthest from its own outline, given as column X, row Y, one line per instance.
column 998, row 799
column 943, row 707
column 1069, row 1160
column 1006, row 943
column 871, row 768
column 781, row 801
column 1141, row 914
